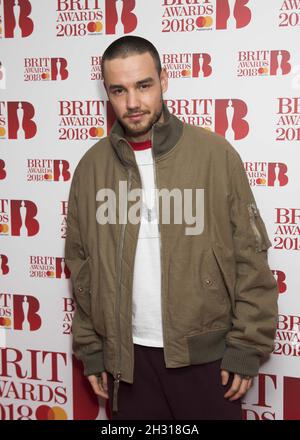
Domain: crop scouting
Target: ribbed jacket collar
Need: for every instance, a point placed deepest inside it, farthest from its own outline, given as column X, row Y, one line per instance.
column 164, row 137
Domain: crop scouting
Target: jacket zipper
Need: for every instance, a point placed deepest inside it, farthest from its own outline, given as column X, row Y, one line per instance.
column 159, row 230
column 253, row 215
column 118, row 373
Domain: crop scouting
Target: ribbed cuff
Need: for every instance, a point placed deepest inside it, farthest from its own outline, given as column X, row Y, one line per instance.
column 241, row 361
column 93, row 363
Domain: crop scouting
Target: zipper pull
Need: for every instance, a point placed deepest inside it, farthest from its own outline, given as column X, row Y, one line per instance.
column 116, row 388
column 253, row 212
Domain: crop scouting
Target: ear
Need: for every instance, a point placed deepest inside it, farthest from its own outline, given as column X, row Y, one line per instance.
column 164, row 79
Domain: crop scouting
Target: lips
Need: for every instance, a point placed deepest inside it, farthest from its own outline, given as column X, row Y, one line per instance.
column 136, row 116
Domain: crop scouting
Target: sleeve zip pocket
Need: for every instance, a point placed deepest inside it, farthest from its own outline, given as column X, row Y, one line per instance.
column 260, row 234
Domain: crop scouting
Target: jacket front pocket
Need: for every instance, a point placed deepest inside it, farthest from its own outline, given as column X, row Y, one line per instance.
column 216, row 303
column 82, row 285
column 262, row 241
column 212, row 277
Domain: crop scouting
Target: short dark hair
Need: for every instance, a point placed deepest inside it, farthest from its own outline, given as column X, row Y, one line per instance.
column 130, row 45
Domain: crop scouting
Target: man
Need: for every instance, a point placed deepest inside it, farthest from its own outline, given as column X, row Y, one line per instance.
column 168, row 324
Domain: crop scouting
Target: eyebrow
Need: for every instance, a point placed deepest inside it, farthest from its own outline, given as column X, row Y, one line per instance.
column 142, row 81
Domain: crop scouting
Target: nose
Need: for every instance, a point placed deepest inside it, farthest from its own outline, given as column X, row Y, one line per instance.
column 133, row 101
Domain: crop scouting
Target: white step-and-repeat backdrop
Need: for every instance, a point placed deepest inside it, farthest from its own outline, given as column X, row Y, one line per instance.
column 234, row 67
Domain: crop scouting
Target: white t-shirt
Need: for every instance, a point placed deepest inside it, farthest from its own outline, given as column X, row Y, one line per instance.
column 146, row 295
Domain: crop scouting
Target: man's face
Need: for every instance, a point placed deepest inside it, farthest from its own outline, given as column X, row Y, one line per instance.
column 135, row 90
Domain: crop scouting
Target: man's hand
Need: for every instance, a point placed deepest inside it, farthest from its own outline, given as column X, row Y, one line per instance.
column 239, row 386
column 99, row 384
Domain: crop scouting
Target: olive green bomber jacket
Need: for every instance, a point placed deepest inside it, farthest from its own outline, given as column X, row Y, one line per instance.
column 219, row 297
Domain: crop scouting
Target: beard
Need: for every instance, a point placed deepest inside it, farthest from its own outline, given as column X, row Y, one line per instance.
column 139, row 129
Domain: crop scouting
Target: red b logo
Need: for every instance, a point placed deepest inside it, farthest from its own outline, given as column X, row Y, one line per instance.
column 16, row 18
column 2, row 170
column 20, row 120
column 119, row 16
column 230, row 119
column 232, row 14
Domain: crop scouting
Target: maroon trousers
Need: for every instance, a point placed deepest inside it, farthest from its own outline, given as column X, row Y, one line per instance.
column 193, row 392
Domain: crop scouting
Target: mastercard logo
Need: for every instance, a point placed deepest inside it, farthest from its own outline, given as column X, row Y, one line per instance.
column 45, row 412
column 5, row 322
column 4, row 228
column 50, row 273
column 48, row 176
column 95, row 26
column 263, row 70
column 2, row 131
column 185, row 73
column 261, row 181
column 45, row 76
column 204, row 22
column 96, row 132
